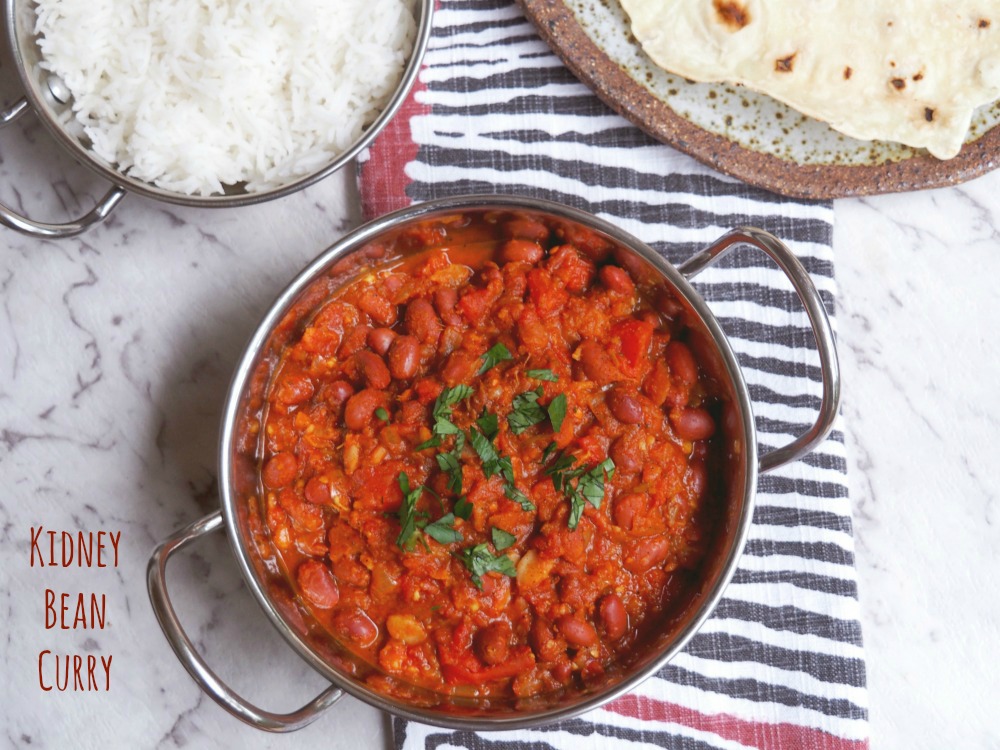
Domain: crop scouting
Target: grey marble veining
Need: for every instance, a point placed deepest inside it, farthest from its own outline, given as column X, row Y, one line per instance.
column 919, row 308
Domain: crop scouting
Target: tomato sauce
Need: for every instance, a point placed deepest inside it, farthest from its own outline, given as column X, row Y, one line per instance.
column 486, row 467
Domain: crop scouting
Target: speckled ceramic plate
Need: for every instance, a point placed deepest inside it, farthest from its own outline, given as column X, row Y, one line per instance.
column 737, row 131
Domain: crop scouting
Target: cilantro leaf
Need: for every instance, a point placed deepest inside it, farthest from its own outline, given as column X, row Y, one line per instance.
column 443, row 530
column 502, row 539
column 463, row 508
column 487, row 452
column 434, row 442
column 561, row 472
column 408, row 514
column 526, row 411
column 441, row 412
column 382, row 414
column 448, row 463
column 449, row 397
column 489, row 424
column 518, row 497
column 548, row 451
column 589, row 487
column 480, row 561
column 546, row 375
column 576, row 506
column 557, row 411
column 591, row 484
column 495, row 355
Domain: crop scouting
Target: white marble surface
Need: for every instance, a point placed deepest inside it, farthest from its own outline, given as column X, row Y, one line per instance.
column 115, row 353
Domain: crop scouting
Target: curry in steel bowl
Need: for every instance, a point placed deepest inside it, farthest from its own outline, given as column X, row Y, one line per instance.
column 488, row 463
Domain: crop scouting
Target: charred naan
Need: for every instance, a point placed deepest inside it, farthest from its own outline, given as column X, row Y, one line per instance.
column 911, row 71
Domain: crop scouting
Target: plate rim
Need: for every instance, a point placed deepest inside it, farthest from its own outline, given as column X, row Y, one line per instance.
column 559, row 28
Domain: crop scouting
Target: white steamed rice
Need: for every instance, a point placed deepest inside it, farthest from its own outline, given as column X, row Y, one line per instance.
column 192, row 95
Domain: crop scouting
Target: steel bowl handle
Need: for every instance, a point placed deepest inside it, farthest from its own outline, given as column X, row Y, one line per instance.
column 10, row 218
column 217, row 690
column 822, row 332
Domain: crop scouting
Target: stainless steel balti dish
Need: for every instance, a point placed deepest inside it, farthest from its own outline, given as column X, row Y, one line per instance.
column 47, row 98
column 349, row 674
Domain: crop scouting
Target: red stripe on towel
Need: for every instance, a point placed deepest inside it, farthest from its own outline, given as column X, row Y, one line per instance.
column 757, row 734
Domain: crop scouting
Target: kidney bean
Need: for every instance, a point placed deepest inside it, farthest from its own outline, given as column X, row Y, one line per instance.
column 459, row 367
column 280, row 470
column 338, row 392
column 577, row 632
column 627, row 508
column 526, row 229
column 697, row 478
column 624, row 405
column 422, row 321
column 317, row 491
column 692, row 424
column 681, row 362
column 614, row 616
column 379, row 339
column 360, row 408
column 647, row 554
column 520, row 250
column 445, row 300
column 317, row 584
column 373, row 369
column 406, row 628
column 493, row 642
column 294, row 389
column 616, row 279
column 628, row 452
column 544, row 642
column 597, row 363
column 358, row 627
column 404, row 357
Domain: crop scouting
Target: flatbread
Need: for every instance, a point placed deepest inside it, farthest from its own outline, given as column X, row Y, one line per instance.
column 910, row 71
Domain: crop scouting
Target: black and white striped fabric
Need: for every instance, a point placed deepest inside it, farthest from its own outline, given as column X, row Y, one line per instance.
column 780, row 664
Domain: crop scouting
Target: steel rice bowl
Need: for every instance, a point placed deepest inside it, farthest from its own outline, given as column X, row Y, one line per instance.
column 20, row 19
column 344, row 261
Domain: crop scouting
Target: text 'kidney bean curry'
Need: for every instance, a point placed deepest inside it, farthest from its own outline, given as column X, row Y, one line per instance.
column 487, row 467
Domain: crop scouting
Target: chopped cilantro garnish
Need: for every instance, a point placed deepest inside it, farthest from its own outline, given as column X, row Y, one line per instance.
column 493, row 462
column 543, row 375
column 488, row 424
column 448, row 463
column 480, row 561
column 408, row 514
column 526, row 411
column 441, row 412
column 434, row 442
column 548, row 451
column 502, row 539
column 382, row 414
column 518, row 497
column 557, row 411
column 495, row 355
column 463, row 508
column 412, row 521
column 589, row 487
column 443, row 530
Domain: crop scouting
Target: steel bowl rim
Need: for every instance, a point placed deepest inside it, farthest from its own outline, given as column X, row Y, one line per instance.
column 132, row 185
column 351, row 242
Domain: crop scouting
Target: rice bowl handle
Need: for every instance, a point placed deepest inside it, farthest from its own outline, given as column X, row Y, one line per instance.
column 43, row 230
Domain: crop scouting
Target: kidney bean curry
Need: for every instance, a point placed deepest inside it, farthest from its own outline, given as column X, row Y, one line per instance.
column 485, row 466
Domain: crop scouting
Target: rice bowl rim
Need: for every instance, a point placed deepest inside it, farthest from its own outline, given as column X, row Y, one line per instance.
column 23, row 45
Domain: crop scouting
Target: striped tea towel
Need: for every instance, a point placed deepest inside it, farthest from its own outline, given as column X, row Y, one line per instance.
column 780, row 664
